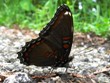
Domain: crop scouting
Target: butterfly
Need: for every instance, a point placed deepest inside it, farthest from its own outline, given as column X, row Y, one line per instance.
column 52, row 47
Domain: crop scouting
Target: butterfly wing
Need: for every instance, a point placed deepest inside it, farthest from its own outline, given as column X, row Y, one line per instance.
column 60, row 35
column 53, row 46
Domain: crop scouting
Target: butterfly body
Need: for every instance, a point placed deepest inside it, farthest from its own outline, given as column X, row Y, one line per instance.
column 53, row 45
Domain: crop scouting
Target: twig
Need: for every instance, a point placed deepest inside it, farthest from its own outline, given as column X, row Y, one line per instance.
column 45, row 76
column 101, row 71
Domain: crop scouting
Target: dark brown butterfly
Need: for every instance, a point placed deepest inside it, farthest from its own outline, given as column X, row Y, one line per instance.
column 53, row 45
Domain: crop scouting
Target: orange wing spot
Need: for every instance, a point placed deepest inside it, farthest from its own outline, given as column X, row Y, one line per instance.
column 66, row 46
column 66, row 38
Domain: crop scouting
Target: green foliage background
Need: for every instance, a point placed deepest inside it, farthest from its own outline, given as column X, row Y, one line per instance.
column 89, row 15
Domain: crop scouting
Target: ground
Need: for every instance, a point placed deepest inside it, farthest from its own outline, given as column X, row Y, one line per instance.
column 91, row 62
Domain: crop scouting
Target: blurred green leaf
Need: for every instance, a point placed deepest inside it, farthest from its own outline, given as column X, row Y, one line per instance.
column 26, row 5
column 35, row 14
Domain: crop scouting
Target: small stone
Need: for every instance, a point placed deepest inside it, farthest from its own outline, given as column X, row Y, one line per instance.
column 19, row 77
